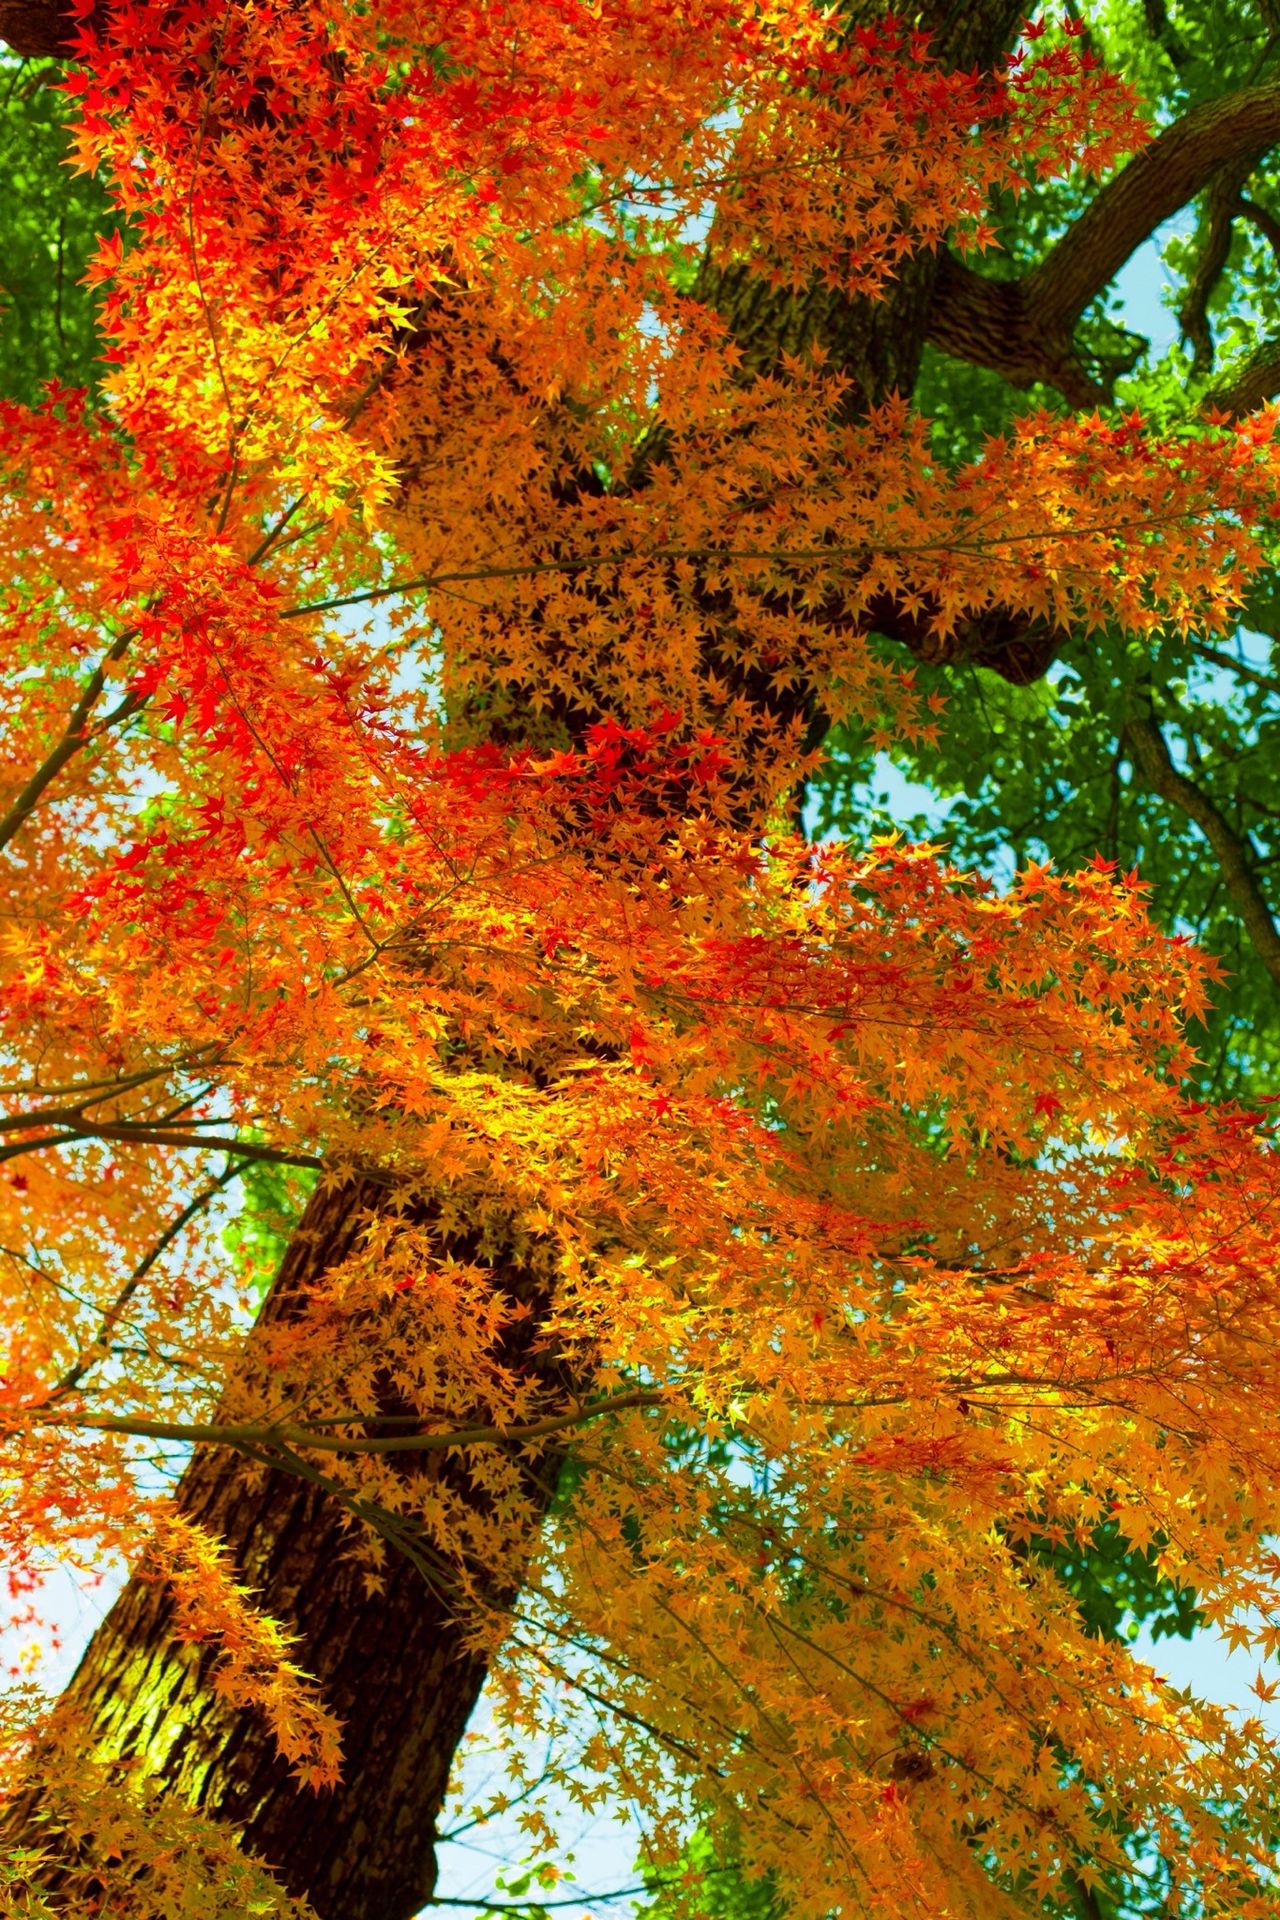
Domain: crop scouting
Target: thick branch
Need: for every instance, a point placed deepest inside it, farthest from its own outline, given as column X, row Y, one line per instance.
column 1256, row 381
column 42, row 29
column 990, row 323
column 1163, row 177
column 1023, row 329
column 877, row 342
column 1257, row 378
column 1151, row 756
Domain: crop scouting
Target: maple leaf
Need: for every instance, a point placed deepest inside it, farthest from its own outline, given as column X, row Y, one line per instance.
column 725, row 1255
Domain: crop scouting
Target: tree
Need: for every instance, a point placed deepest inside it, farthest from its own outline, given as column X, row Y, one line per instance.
column 729, row 1261
column 1054, row 775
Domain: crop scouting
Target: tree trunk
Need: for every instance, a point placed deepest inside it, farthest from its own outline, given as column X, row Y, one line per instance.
column 394, row 1665
column 45, row 29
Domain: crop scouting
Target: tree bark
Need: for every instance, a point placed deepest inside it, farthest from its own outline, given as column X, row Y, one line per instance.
column 1024, row 328
column 43, row 29
column 393, row 1664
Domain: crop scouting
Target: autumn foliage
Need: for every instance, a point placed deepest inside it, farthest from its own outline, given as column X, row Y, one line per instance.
column 408, row 671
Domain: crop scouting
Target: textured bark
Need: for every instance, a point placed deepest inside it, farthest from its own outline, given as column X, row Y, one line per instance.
column 41, row 29
column 877, row 342
column 1024, row 328
column 393, row 1665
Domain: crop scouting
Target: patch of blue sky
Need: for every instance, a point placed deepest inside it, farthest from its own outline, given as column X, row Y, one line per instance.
column 1206, row 1665
column 1143, row 288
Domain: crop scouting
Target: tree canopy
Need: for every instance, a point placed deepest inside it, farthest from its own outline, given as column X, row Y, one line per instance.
column 772, row 1298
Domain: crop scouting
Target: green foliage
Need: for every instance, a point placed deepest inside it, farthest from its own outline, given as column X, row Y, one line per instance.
column 529, row 1889
column 1179, row 52
column 717, row 1888
column 20, row 1895
column 1117, row 1588
column 272, row 1197
column 50, row 220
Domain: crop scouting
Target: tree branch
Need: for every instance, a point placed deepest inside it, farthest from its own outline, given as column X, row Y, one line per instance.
column 259, row 1439
column 1223, row 202
column 1256, row 380
column 1150, row 751
column 1162, row 30
column 1024, row 328
column 144, row 1136
column 97, row 1350
column 77, row 734
column 1241, row 668
column 1265, row 221
column 1159, row 180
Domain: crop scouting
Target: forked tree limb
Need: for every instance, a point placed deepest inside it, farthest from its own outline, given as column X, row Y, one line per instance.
column 1024, row 328
column 1162, row 178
